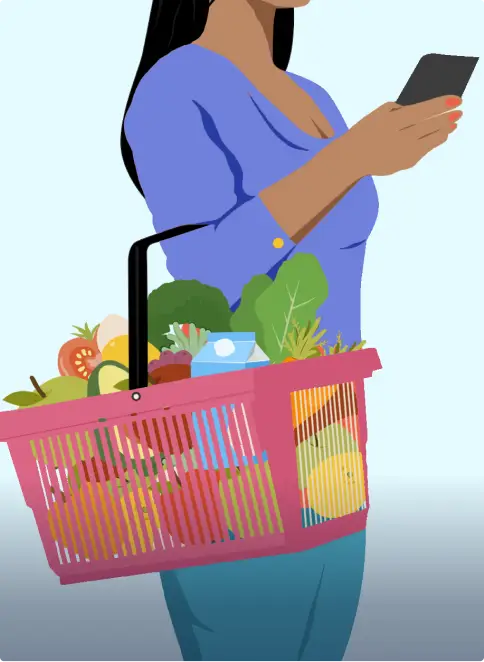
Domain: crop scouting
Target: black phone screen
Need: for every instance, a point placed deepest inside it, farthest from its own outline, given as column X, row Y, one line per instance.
column 438, row 75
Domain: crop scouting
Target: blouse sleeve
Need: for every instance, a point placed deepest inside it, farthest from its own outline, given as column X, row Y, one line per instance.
column 188, row 175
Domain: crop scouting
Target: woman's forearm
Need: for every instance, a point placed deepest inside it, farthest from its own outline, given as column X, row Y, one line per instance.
column 299, row 201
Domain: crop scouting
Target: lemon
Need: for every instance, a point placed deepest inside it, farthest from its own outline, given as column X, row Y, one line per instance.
column 337, row 486
column 332, row 440
column 117, row 350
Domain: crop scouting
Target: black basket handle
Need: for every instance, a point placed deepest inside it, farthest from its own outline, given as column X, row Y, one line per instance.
column 138, row 302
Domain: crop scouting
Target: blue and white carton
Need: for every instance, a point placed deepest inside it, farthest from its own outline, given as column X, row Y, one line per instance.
column 228, row 352
column 224, row 352
column 202, row 424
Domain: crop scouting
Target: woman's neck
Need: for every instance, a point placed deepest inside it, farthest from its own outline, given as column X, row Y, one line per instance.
column 242, row 31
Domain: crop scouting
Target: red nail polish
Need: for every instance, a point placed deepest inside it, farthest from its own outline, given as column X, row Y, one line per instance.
column 453, row 127
column 453, row 102
column 455, row 116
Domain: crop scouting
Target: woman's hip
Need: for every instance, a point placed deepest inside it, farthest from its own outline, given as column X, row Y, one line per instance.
column 269, row 608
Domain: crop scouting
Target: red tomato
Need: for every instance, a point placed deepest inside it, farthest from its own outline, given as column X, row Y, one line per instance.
column 199, row 505
column 78, row 358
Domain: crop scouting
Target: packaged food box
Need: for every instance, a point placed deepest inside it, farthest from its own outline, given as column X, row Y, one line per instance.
column 227, row 352
column 202, row 427
column 224, row 352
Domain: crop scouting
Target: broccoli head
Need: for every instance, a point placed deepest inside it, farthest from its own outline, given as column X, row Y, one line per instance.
column 186, row 302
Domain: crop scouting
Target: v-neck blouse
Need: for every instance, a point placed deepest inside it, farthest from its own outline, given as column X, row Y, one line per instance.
column 205, row 143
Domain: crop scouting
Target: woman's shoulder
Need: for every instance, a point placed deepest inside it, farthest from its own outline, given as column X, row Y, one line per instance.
column 188, row 74
column 194, row 73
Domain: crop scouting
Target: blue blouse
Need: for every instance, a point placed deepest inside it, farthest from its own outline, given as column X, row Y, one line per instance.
column 206, row 142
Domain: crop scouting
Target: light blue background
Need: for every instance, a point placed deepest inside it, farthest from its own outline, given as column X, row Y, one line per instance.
column 68, row 216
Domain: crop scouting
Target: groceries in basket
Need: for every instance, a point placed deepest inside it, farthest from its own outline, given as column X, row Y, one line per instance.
column 279, row 315
column 213, row 485
column 227, row 352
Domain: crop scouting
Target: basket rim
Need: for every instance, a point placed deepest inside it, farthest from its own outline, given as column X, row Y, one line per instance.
column 297, row 375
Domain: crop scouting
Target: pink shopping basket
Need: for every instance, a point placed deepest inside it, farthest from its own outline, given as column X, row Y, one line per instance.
column 246, row 464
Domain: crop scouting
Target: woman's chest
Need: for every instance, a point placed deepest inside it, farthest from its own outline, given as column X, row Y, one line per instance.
column 265, row 144
column 281, row 97
column 267, row 147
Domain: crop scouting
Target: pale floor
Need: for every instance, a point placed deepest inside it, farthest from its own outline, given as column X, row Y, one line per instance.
column 423, row 594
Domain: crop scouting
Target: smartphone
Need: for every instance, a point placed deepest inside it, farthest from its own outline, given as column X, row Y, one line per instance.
column 436, row 76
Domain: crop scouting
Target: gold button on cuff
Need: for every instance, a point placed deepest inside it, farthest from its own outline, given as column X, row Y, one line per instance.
column 278, row 243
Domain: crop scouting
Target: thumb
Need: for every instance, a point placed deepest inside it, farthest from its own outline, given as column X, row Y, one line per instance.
column 389, row 107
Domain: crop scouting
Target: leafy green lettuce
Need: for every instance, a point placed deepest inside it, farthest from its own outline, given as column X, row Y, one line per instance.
column 245, row 317
column 269, row 308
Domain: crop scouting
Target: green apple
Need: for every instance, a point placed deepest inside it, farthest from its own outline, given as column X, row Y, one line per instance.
column 332, row 440
column 59, row 389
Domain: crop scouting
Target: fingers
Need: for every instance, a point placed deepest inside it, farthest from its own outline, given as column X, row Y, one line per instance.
column 431, row 141
column 428, row 127
column 434, row 140
column 419, row 112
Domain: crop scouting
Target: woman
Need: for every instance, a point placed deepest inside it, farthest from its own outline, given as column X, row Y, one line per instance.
column 217, row 132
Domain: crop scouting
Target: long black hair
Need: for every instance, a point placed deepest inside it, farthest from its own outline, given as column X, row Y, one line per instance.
column 175, row 23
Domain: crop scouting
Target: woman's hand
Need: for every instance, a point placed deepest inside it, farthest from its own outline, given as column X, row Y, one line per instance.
column 394, row 138
column 390, row 139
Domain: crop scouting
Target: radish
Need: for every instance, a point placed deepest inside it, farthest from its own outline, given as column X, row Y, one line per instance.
column 186, row 330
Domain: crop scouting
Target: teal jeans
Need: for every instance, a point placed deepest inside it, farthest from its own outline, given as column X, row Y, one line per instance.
column 291, row 607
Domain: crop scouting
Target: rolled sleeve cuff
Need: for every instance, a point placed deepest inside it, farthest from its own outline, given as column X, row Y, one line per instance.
column 257, row 233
